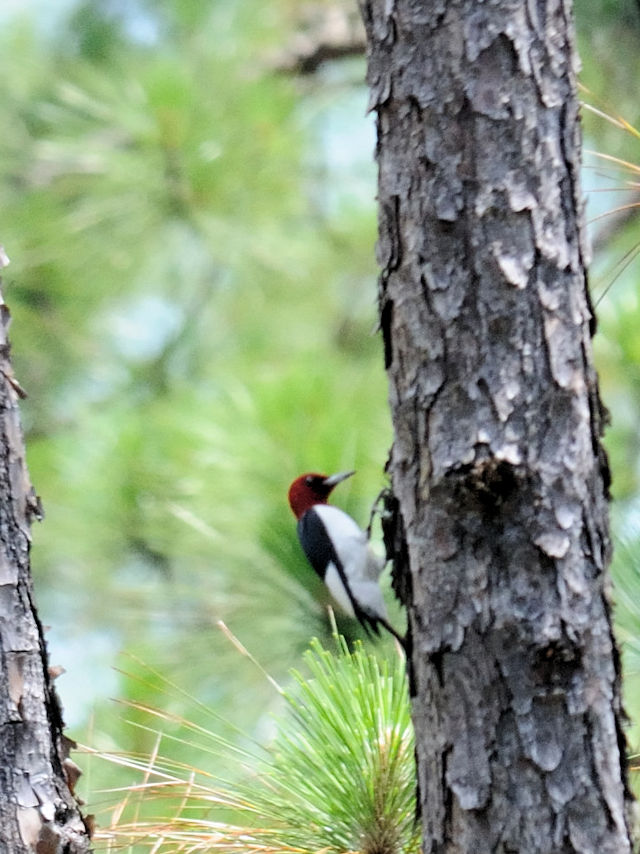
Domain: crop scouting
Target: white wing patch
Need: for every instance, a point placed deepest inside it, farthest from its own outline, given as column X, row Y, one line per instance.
column 362, row 567
column 337, row 589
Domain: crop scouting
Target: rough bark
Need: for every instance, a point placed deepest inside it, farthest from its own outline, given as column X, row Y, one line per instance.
column 496, row 462
column 38, row 812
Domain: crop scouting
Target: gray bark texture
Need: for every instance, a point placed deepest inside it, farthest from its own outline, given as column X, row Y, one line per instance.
column 38, row 812
column 496, row 465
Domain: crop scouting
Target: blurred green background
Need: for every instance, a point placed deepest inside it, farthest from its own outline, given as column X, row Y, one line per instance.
column 188, row 202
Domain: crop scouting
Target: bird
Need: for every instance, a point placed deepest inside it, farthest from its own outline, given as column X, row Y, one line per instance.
column 339, row 551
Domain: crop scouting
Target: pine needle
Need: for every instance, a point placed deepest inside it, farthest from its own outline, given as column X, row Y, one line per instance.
column 339, row 777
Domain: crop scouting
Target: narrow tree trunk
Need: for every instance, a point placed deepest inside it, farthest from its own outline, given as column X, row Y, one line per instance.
column 37, row 811
column 496, row 462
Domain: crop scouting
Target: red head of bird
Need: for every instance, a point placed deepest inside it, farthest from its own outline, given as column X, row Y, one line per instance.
column 312, row 488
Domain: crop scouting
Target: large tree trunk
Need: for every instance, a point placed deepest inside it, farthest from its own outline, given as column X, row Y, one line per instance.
column 38, row 813
column 496, row 462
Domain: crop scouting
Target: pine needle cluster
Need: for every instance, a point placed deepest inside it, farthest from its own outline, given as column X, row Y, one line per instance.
column 339, row 776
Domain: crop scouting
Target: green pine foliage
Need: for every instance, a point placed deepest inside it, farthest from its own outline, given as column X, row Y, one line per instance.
column 339, row 776
column 342, row 775
column 194, row 322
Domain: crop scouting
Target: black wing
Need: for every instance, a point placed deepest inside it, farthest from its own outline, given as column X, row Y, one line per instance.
column 319, row 550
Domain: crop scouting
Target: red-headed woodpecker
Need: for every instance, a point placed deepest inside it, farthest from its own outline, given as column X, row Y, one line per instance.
column 338, row 549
